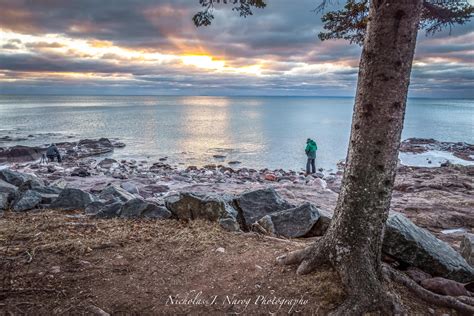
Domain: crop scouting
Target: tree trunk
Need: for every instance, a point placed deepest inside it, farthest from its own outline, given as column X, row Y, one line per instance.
column 353, row 242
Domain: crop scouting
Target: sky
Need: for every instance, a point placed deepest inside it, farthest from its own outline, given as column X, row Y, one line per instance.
column 146, row 47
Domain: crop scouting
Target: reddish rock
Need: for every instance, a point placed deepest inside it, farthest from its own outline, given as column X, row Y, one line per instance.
column 270, row 177
column 20, row 154
column 445, row 287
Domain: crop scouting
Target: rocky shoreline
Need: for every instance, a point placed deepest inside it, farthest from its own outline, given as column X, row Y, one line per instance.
column 281, row 203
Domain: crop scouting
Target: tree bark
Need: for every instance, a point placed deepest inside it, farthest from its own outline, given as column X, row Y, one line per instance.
column 353, row 242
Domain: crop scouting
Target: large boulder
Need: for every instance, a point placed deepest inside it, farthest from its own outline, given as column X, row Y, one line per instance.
column 6, row 187
column 188, row 205
column 26, row 201
column 293, row 222
column 467, row 248
column 94, row 207
column 116, row 193
column 4, row 201
column 108, row 210
column 417, row 247
column 21, row 154
column 71, row 199
column 31, row 199
column 256, row 204
column 93, row 147
column 322, row 225
column 17, row 179
column 141, row 208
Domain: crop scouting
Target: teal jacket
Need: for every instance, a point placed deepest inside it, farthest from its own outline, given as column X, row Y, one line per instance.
column 311, row 148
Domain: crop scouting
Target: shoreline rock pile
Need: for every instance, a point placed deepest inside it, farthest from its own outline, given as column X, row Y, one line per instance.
column 262, row 210
column 275, row 202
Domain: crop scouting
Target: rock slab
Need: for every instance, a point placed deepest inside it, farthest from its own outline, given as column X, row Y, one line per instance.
column 189, row 205
column 256, row 204
column 417, row 247
column 292, row 223
column 467, row 248
column 70, row 199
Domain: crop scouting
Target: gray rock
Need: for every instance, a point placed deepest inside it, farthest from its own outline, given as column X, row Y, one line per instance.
column 26, row 201
column 21, row 154
column 17, row 178
column 294, row 222
column 211, row 207
column 417, row 247
column 113, row 192
column 94, row 207
column 4, row 201
column 6, row 187
column 467, row 248
column 322, row 225
column 258, row 203
column 110, row 210
column 156, row 212
column 130, row 187
column 157, row 188
column 107, row 163
column 71, row 199
column 141, row 208
column 47, row 190
column 230, row 224
column 80, row 172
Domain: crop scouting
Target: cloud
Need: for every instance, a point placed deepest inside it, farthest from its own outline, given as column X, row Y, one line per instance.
column 143, row 45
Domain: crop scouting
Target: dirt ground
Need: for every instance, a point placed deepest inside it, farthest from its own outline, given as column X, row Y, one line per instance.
column 55, row 262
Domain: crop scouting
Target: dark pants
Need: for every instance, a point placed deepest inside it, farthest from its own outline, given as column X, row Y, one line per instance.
column 311, row 163
column 51, row 158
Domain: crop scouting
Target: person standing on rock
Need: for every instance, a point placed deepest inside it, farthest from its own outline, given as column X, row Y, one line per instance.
column 53, row 152
column 310, row 150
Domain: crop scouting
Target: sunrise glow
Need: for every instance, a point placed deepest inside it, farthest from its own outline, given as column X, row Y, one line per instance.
column 149, row 45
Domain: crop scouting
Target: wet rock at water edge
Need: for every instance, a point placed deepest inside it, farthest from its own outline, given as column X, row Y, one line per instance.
column 21, row 154
column 107, row 163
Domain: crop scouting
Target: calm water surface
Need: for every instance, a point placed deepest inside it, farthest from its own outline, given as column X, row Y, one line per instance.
column 258, row 131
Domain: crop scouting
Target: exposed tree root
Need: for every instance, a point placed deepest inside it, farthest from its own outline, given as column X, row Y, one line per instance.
column 466, row 300
column 314, row 256
column 462, row 305
column 365, row 291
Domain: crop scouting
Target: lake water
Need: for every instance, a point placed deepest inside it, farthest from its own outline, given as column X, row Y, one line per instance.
column 258, row 131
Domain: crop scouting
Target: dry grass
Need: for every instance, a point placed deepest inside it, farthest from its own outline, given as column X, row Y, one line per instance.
column 58, row 263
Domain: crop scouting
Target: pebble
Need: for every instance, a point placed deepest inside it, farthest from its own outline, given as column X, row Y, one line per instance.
column 220, row 249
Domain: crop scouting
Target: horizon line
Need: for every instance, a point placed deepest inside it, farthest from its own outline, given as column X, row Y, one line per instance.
column 210, row 95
